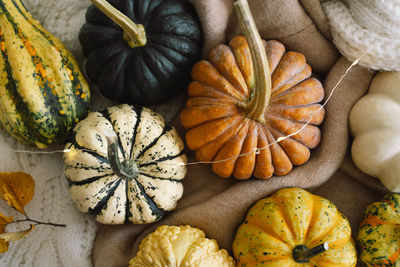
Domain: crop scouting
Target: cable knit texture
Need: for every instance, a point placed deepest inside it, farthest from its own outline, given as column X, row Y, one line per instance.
column 48, row 246
column 367, row 26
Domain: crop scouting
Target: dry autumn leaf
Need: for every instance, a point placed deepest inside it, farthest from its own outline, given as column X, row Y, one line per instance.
column 3, row 222
column 17, row 188
column 9, row 237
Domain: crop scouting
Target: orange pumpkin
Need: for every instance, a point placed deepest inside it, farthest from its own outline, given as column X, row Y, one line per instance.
column 245, row 97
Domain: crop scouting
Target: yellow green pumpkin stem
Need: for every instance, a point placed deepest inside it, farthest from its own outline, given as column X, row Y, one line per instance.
column 262, row 89
column 302, row 254
column 134, row 34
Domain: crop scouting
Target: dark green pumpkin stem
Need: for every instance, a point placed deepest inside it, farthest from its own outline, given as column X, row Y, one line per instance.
column 126, row 169
column 134, row 34
column 302, row 254
column 258, row 105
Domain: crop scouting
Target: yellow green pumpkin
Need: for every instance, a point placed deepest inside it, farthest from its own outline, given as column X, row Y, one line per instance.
column 294, row 228
column 379, row 234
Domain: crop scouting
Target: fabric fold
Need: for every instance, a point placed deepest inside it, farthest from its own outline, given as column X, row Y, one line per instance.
column 218, row 205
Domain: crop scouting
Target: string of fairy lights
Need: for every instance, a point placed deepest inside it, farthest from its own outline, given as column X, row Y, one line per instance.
column 256, row 150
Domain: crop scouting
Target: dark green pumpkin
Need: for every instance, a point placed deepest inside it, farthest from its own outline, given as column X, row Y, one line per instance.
column 150, row 74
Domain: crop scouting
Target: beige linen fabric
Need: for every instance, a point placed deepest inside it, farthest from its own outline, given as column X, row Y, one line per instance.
column 218, row 205
column 283, row 20
column 350, row 196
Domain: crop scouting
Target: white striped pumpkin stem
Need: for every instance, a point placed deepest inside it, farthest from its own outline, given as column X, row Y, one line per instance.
column 127, row 169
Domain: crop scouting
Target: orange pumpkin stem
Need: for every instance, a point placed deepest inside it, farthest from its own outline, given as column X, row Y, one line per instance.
column 134, row 34
column 262, row 89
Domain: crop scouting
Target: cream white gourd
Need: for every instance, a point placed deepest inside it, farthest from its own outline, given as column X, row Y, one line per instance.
column 375, row 125
column 125, row 165
column 180, row 246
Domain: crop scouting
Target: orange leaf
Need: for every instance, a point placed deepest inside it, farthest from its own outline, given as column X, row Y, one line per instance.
column 3, row 222
column 17, row 188
column 3, row 246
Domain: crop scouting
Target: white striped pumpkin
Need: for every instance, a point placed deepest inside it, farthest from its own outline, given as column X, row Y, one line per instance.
column 125, row 165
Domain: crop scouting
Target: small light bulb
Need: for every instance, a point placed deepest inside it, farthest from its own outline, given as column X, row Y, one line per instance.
column 280, row 139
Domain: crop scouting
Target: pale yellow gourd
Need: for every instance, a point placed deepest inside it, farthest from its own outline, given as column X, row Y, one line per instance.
column 375, row 124
column 180, row 246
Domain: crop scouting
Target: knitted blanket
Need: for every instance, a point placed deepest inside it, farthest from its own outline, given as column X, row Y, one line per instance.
column 72, row 246
column 368, row 28
column 49, row 246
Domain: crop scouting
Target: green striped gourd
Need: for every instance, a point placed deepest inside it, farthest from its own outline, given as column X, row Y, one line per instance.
column 43, row 94
column 125, row 165
column 379, row 233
